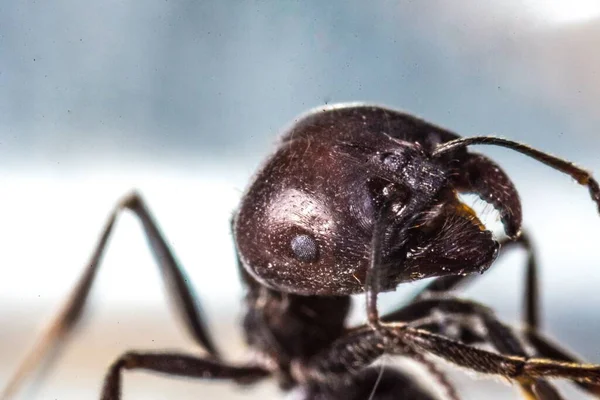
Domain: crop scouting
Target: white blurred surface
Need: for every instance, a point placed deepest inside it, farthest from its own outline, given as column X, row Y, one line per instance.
column 558, row 12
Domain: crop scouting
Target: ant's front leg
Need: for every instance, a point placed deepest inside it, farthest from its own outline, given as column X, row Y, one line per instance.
column 517, row 368
column 388, row 220
column 472, row 323
column 375, row 273
column 362, row 346
column 443, row 286
column 176, row 282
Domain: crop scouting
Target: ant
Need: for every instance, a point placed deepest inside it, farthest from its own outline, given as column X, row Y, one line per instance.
column 356, row 199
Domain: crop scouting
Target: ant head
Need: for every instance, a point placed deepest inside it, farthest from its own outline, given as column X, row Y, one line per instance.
column 306, row 224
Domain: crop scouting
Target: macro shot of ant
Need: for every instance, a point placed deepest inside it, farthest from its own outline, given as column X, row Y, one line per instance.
column 356, row 199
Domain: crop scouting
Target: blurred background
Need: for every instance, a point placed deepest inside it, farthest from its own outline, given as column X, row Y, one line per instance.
column 182, row 100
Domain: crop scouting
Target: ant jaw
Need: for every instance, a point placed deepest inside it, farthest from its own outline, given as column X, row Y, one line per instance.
column 487, row 216
column 488, row 220
column 480, row 176
column 450, row 239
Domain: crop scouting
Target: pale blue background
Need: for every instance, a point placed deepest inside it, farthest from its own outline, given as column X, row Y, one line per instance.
column 183, row 99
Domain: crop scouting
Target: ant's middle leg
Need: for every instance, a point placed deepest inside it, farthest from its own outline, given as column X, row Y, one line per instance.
column 543, row 346
column 439, row 289
column 362, row 345
column 176, row 282
column 472, row 323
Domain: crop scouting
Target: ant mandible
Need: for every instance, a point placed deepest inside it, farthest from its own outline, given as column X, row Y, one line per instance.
column 355, row 199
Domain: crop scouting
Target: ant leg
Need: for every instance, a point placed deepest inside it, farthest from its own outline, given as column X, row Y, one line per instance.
column 517, row 368
column 544, row 347
column 421, row 308
column 506, row 342
column 362, row 345
column 177, row 365
column 353, row 353
column 453, row 318
column 173, row 275
column 372, row 288
column 376, row 269
column 372, row 284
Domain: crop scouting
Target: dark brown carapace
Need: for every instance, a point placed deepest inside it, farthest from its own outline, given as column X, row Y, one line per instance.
column 358, row 199
column 307, row 221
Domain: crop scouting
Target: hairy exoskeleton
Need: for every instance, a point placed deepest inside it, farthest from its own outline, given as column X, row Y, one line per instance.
column 359, row 199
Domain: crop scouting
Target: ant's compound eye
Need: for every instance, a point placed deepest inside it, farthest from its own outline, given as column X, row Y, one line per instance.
column 305, row 248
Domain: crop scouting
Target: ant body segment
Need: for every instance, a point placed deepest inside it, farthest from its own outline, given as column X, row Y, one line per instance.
column 357, row 199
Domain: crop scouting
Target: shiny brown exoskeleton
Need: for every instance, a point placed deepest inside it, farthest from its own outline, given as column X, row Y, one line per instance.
column 359, row 199
column 306, row 224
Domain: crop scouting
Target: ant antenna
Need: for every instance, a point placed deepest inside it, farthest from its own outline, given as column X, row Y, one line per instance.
column 582, row 176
